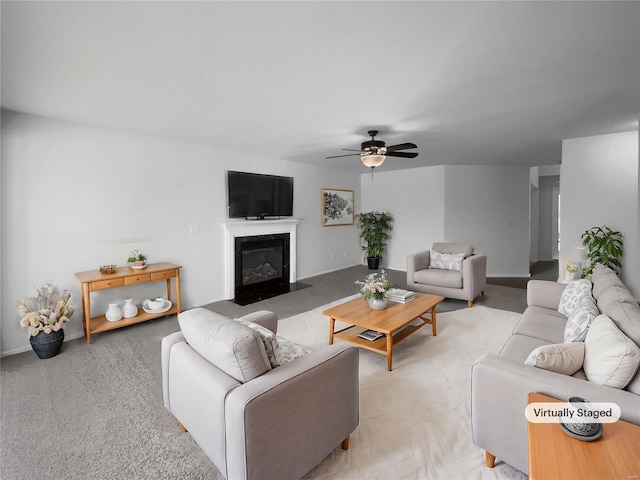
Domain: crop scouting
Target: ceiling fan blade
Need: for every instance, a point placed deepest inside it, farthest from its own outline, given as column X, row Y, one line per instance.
column 402, row 146
column 402, row 154
column 350, row 149
column 347, row 155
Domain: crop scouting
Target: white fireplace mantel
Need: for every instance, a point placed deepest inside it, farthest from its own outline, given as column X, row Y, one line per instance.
column 248, row 228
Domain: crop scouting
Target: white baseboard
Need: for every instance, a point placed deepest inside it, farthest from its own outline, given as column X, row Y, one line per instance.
column 510, row 275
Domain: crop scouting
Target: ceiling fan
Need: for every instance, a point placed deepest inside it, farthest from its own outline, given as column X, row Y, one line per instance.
column 373, row 152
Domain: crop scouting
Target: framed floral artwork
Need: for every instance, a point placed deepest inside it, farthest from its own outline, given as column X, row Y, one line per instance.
column 336, row 207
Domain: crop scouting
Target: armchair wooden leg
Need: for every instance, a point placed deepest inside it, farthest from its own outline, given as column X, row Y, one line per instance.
column 345, row 444
column 470, row 303
column 491, row 460
column 182, row 427
column 482, row 293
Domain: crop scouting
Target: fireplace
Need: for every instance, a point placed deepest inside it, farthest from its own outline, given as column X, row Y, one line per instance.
column 234, row 229
column 261, row 267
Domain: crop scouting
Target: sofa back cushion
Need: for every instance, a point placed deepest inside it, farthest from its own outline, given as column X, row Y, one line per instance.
column 444, row 247
column 234, row 348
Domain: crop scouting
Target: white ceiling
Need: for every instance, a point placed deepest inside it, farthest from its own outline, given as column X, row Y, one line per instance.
column 468, row 82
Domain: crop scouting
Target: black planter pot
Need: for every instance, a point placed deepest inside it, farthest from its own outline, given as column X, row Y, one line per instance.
column 47, row 345
column 373, row 263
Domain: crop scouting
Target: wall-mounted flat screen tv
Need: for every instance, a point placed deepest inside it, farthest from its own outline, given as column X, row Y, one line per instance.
column 254, row 195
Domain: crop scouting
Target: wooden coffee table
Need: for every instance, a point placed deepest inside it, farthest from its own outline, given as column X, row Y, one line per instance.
column 394, row 322
column 554, row 454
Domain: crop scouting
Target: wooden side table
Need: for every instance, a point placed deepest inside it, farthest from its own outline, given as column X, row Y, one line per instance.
column 93, row 281
column 553, row 454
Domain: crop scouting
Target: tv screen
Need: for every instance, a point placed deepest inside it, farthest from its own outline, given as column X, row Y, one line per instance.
column 257, row 195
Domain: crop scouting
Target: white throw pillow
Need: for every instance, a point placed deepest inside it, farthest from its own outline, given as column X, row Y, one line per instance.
column 610, row 357
column 269, row 340
column 578, row 322
column 565, row 358
column 446, row 261
column 573, row 293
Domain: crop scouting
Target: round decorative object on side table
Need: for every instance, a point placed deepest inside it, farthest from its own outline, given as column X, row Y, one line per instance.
column 377, row 303
column 113, row 313
column 129, row 310
column 47, row 345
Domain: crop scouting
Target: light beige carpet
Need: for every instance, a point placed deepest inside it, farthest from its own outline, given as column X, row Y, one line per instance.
column 415, row 421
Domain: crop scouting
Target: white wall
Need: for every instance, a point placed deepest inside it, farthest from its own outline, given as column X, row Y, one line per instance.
column 485, row 206
column 75, row 197
column 488, row 206
column 415, row 198
column 600, row 187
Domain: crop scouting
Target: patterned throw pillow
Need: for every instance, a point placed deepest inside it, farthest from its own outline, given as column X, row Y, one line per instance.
column 579, row 320
column 446, row 261
column 269, row 340
column 573, row 294
column 291, row 350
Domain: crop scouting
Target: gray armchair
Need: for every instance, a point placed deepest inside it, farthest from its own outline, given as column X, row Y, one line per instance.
column 255, row 421
column 463, row 281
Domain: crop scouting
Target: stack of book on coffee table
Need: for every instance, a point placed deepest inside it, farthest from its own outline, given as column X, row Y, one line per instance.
column 400, row 295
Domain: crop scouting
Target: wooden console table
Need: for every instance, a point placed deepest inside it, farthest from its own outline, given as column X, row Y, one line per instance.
column 554, row 454
column 93, row 281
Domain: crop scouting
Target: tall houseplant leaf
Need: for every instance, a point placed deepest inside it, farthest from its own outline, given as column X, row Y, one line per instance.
column 375, row 229
column 604, row 246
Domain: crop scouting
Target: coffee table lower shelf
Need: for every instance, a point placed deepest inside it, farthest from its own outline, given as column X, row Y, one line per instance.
column 350, row 334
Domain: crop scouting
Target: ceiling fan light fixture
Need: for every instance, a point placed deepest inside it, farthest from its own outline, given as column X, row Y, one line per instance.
column 372, row 160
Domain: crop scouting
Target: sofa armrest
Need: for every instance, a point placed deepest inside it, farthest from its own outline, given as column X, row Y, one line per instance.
column 543, row 293
column 263, row 317
column 309, row 404
column 474, row 274
column 499, row 388
column 165, row 353
column 417, row 261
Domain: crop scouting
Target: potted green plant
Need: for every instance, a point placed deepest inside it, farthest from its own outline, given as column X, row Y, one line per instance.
column 375, row 229
column 137, row 260
column 604, row 246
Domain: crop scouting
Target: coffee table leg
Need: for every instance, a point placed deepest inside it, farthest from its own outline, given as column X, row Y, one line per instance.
column 433, row 320
column 332, row 325
column 389, row 350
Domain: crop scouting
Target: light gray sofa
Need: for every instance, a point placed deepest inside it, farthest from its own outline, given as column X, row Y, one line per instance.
column 464, row 284
column 255, row 421
column 500, row 383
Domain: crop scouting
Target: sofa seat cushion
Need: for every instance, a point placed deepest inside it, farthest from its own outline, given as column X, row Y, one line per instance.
column 518, row 347
column 234, row 348
column 439, row 278
column 542, row 323
column 610, row 358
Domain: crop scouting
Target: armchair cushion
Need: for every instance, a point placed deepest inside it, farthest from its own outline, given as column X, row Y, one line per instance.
column 233, row 347
column 446, row 261
column 441, row 278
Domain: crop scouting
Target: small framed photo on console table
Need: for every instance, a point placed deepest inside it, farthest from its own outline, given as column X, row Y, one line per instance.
column 336, row 207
